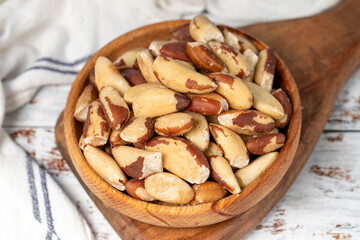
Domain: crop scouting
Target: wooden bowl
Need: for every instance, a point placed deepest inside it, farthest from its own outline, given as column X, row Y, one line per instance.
column 177, row 216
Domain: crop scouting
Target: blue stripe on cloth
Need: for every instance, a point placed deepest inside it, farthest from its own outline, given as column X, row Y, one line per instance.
column 76, row 62
column 49, row 218
column 32, row 186
column 52, row 70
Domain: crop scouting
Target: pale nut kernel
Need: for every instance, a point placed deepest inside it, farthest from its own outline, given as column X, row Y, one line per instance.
column 266, row 143
column 203, row 58
column 203, row 30
column 130, row 94
column 155, row 102
column 155, row 46
column 239, row 42
column 237, row 94
column 180, row 78
column 231, row 144
column 104, row 165
column 175, row 50
column 145, row 61
column 265, row 102
column 174, row 124
column 222, row 172
column 247, row 122
column 127, row 59
column 182, row 34
column 115, row 108
column 96, row 130
column 188, row 65
column 81, row 109
column 81, row 142
column 207, row 192
column 213, row 150
column 234, row 61
column 107, row 75
column 250, row 173
column 199, row 135
column 252, row 59
column 136, row 189
column 207, row 104
column 137, row 163
column 265, row 69
column 168, row 188
column 140, row 129
column 284, row 100
column 181, row 158
column 116, row 140
column 133, row 76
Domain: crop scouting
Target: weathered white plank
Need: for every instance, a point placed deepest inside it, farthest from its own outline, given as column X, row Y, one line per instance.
column 40, row 143
column 324, row 202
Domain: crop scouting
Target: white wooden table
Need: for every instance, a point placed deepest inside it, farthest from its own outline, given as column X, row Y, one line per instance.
column 324, row 202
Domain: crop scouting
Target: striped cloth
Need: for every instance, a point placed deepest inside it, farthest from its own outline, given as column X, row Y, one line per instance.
column 48, row 42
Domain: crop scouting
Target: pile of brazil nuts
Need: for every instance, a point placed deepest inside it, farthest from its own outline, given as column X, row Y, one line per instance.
column 149, row 114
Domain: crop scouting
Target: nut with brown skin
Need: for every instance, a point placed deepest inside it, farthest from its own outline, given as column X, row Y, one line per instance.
column 199, row 134
column 137, row 163
column 169, row 188
column 116, row 140
column 239, row 42
column 265, row 102
column 212, row 119
column 266, row 143
column 174, row 124
column 182, row 34
column 140, row 129
column 203, row 30
column 127, row 59
column 250, row 173
column 207, row 192
column 136, row 189
column 145, row 61
column 247, row 122
column 175, row 50
column 96, row 130
column 115, row 108
column 213, row 150
column 155, row 102
column 207, row 104
column 252, row 59
column 81, row 109
column 133, row 76
column 231, row 144
column 155, row 46
column 234, row 61
column 284, row 100
column 181, row 158
column 237, row 94
column 180, row 78
column 203, row 58
column 246, row 138
column 107, row 75
column 222, row 172
column 265, row 69
column 92, row 78
column 104, row 165
column 130, row 94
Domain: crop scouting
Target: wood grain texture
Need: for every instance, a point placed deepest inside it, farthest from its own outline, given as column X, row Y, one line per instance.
column 315, row 64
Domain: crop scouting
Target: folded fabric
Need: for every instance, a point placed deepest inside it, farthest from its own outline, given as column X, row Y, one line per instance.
column 48, row 42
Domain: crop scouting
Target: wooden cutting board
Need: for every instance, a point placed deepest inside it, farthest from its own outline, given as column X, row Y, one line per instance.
column 322, row 52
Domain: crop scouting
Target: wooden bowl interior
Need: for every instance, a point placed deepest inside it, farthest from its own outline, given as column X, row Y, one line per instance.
column 177, row 216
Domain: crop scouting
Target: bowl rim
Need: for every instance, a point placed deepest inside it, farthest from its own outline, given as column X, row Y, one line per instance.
column 226, row 207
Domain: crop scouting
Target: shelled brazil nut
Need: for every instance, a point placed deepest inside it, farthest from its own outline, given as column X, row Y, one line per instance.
column 186, row 120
